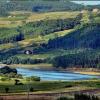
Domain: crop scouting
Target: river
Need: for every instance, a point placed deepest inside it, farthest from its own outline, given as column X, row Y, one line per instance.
column 53, row 75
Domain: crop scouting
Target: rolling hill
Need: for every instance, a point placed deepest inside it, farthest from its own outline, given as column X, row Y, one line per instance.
column 37, row 6
column 51, row 31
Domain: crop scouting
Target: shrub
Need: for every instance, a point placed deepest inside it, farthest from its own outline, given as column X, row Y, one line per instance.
column 85, row 97
column 33, row 78
column 64, row 98
column 31, row 89
column 17, row 82
column 6, row 89
column 5, row 79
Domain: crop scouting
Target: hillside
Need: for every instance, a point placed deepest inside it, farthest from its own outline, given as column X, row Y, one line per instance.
column 49, row 50
column 57, row 31
column 37, row 6
column 85, row 37
column 41, row 6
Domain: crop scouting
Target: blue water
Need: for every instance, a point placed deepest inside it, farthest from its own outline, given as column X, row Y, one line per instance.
column 53, row 75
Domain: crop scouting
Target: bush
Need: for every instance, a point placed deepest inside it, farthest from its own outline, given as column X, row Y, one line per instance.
column 64, row 98
column 33, row 78
column 85, row 97
column 7, row 70
column 5, row 79
column 6, row 89
column 17, row 82
column 31, row 89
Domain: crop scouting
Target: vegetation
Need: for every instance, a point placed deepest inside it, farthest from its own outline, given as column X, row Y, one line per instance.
column 37, row 6
column 58, row 34
column 33, row 78
column 64, row 98
column 80, row 97
column 80, row 60
column 10, row 35
column 49, row 35
column 86, row 97
column 6, row 70
column 45, row 27
column 80, row 38
column 52, row 39
column 47, row 86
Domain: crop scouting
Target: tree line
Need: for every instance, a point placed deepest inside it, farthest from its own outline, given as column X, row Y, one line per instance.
column 88, row 59
column 9, row 35
column 37, row 6
column 81, row 96
column 85, row 37
column 16, row 60
column 47, row 26
column 33, row 29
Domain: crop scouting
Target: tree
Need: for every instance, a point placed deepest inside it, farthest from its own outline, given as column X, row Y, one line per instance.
column 31, row 89
column 85, row 97
column 17, row 82
column 6, row 89
column 64, row 98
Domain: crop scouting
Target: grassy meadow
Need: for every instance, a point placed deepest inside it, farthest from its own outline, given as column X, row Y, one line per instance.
column 18, row 18
column 44, row 86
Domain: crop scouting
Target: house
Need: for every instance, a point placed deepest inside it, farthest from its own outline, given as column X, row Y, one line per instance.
column 28, row 52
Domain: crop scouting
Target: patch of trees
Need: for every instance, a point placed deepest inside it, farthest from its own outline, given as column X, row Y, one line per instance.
column 85, row 37
column 10, row 35
column 9, row 57
column 85, row 97
column 44, row 27
column 5, row 54
column 89, row 59
column 32, row 78
column 80, row 97
column 18, row 60
column 41, row 6
column 37, row 6
column 6, row 70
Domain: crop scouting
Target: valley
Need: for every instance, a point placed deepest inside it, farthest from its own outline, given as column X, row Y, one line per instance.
column 48, row 49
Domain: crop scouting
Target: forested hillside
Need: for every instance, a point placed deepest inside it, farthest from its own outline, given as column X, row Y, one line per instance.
column 40, row 6
column 85, row 37
column 46, row 31
column 37, row 6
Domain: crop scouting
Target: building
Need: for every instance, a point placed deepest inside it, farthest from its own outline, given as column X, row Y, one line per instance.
column 28, row 52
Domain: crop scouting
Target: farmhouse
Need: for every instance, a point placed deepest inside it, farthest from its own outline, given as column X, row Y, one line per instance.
column 28, row 52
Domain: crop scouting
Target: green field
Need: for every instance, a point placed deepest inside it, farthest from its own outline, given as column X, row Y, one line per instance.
column 56, row 86
column 19, row 18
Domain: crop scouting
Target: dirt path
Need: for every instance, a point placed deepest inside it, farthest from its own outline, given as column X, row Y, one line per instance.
column 45, row 96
